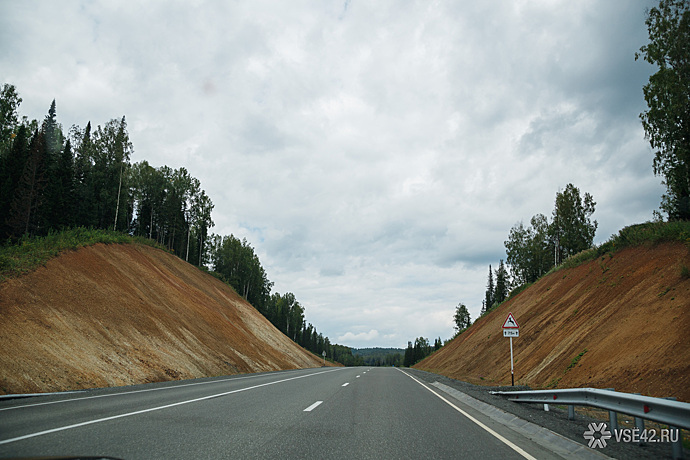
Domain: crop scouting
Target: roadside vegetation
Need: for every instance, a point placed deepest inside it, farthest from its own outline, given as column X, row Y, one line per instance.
column 646, row 234
column 31, row 252
column 649, row 233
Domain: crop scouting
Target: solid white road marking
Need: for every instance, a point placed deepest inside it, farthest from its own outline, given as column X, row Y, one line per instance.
column 346, row 384
column 313, row 406
column 152, row 409
column 498, row 436
column 124, row 393
column 31, row 395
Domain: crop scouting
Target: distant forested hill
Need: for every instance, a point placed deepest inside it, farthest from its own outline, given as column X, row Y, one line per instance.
column 379, row 356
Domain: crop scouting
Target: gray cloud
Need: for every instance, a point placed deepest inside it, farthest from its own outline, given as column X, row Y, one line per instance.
column 374, row 154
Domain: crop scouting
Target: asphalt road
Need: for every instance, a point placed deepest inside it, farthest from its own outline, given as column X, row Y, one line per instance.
column 382, row 413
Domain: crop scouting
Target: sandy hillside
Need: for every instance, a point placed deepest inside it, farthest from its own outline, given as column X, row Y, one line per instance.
column 123, row 314
column 630, row 312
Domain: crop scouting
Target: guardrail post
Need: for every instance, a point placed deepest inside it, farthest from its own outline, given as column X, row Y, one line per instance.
column 639, row 424
column 613, row 421
column 677, row 440
column 613, row 416
column 571, row 412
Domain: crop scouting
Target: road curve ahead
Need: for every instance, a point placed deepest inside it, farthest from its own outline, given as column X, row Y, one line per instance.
column 327, row 413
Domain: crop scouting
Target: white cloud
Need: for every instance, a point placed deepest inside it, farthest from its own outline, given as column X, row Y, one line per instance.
column 374, row 154
column 361, row 337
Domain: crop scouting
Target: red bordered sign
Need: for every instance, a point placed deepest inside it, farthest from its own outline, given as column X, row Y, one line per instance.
column 510, row 322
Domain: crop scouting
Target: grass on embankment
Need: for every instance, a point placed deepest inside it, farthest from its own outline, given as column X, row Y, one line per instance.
column 649, row 233
column 30, row 253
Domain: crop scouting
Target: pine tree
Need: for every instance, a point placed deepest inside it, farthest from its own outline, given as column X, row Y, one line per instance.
column 11, row 171
column 25, row 210
column 84, row 188
column 53, row 210
column 502, row 284
column 408, row 360
column 53, row 133
column 60, row 190
column 489, row 298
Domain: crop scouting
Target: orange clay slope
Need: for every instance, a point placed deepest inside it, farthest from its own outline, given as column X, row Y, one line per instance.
column 620, row 321
column 122, row 314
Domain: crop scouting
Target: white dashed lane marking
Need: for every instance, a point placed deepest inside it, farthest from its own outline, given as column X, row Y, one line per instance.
column 313, row 406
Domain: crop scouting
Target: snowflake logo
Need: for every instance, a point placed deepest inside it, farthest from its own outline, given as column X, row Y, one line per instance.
column 595, row 441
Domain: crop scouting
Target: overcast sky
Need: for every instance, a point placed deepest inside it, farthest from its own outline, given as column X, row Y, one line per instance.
column 375, row 154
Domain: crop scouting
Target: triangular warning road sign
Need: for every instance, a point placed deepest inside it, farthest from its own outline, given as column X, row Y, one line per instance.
column 510, row 322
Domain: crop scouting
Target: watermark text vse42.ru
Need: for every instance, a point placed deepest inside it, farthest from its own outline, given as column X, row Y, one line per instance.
column 598, row 433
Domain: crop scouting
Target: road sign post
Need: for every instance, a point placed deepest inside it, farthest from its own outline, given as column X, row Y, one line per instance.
column 323, row 353
column 512, row 372
column 511, row 329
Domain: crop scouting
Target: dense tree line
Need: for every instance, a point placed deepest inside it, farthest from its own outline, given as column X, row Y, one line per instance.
column 52, row 181
column 420, row 350
column 240, row 267
column 378, row 356
column 532, row 251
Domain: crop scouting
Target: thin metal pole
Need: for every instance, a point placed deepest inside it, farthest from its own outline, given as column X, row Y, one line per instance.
column 512, row 376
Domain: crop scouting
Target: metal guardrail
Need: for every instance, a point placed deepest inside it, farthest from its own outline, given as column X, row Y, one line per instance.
column 673, row 413
column 669, row 412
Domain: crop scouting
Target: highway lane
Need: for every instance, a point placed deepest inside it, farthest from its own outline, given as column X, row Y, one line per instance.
column 24, row 417
column 30, row 419
column 311, row 413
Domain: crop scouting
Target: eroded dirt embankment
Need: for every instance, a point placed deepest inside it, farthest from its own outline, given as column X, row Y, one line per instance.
column 122, row 314
column 620, row 321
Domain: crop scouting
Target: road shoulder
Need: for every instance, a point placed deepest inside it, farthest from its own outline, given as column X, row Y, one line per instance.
column 555, row 420
column 552, row 441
